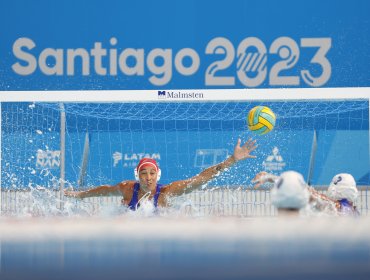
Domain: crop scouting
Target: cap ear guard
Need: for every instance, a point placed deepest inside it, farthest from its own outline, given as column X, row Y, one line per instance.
column 159, row 173
column 343, row 186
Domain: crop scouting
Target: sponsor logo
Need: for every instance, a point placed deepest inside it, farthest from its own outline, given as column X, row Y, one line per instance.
column 208, row 157
column 47, row 159
column 131, row 160
column 162, row 94
column 274, row 162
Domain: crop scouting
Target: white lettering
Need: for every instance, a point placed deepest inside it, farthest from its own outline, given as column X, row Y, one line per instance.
column 47, row 159
column 28, row 58
column 138, row 55
column 164, row 71
column 117, row 156
column 195, row 61
column 250, row 58
column 97, row 52
column 56, row 56
column 71, row 55
column 113, row 58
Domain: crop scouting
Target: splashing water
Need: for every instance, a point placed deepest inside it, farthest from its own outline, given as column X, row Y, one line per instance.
column 43, row 202
column 208, row 202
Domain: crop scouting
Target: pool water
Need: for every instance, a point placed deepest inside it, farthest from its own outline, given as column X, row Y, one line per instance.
column 128, row 247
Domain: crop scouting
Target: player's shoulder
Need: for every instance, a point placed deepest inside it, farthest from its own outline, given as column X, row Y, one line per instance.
column 165, row 188
column 175, row 186
column 126, row 184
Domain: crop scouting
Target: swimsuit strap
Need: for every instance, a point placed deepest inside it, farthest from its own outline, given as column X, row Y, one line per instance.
column 156, row 196
column 135, row 197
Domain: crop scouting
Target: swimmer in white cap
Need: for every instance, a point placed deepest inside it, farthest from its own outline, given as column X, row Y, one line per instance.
column 289, row 193
column 344, row 192
column 340, row 198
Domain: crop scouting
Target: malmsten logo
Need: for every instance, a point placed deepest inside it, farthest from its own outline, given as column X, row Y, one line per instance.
column 162, row 94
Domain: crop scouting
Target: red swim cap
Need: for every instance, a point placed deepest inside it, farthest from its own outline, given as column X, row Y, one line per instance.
column 147, row 162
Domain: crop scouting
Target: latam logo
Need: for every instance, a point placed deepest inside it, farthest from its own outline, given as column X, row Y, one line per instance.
column 131, row 160
column 162, row 94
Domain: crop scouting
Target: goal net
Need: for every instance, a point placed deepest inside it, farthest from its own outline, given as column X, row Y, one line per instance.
column 101, row 141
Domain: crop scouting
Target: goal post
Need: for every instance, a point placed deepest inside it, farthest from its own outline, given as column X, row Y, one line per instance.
column 184, row 130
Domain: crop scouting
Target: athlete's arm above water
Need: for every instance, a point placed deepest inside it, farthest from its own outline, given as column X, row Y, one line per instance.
column 148, row 176
column 241, row 152
column 262, row 178
column 103, row 190
column 321, row 200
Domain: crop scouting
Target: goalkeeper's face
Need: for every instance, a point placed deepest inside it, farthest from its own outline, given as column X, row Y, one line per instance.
column 148, row 178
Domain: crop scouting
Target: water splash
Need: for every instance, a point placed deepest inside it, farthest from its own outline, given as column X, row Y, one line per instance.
column 209, row 202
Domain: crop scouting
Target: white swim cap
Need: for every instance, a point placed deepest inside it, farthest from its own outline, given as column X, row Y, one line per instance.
column 343, row 186
column 290, row 191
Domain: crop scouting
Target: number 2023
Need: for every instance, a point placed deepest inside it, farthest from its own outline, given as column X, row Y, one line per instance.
column 252, row 68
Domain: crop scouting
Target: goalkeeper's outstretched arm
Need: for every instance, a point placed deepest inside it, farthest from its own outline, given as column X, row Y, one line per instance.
column 104, row 190
column 241, row 152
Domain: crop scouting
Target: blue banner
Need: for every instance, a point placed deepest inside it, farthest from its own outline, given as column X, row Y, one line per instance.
column 144, row 44
column 169, row 46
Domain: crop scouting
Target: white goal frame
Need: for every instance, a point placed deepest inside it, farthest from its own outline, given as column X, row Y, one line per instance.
column 211, row 95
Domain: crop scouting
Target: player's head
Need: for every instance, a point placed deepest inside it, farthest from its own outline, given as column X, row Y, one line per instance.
column 147, row 168
column 343, row 186
column 290, row 191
